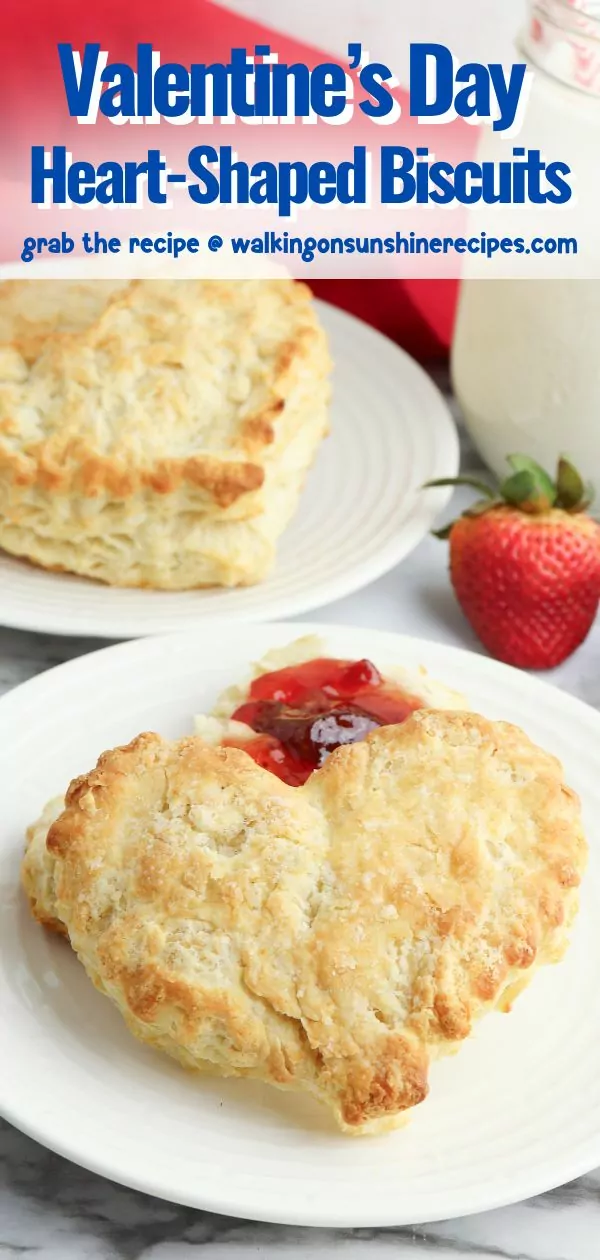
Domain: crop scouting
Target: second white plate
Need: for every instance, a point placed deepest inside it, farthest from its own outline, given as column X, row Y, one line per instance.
column 362, row 510
column 516, row 1112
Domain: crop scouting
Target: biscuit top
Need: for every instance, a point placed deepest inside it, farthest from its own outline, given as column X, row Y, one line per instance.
column 346, row 931
column 32, row 310
column 151, row 384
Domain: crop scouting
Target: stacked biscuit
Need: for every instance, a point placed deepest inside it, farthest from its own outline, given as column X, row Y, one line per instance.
column 157, row 433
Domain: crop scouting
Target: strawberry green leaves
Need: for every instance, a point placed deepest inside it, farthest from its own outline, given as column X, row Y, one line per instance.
column 473, row 482
column 573, row 495
column 529, row 489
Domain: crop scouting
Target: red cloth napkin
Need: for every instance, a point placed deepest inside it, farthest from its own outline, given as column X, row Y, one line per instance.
column 417, row 314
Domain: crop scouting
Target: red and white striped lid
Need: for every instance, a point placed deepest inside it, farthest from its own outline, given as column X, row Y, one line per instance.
column 563, row 39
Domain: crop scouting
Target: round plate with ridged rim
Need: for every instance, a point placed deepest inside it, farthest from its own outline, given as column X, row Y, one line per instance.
column 514, row 1113
column 361, row 512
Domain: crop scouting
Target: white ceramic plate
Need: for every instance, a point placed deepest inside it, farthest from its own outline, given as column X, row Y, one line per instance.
column 361, row 512
column 516, row 1112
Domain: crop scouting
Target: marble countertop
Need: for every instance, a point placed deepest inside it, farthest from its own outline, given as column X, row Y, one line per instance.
column 53, row 1210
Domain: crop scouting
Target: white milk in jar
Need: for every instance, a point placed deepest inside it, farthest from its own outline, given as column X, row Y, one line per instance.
column 526, row 353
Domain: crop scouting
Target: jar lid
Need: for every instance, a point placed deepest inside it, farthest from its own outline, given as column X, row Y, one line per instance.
column 563, row 39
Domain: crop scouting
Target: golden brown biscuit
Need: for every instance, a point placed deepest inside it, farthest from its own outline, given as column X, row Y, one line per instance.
column 332, row 938
column 162, row 440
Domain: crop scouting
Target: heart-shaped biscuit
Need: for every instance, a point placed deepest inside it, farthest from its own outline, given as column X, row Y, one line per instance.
column 332, row 938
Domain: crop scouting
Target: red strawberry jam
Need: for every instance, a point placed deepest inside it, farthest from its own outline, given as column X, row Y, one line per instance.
column 303, row 712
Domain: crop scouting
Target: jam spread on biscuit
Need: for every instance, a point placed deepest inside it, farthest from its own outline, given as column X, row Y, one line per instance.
column 302, row 713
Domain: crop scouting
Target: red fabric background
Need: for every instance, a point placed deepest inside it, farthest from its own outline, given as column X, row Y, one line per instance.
column 418, row 314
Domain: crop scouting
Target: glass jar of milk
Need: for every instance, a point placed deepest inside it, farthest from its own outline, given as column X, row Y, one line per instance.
column 526, row 353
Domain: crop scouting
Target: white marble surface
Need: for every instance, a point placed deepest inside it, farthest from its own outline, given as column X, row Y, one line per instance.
column 52, row 1210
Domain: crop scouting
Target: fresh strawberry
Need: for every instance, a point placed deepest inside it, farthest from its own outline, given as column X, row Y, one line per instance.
column 525, row 564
